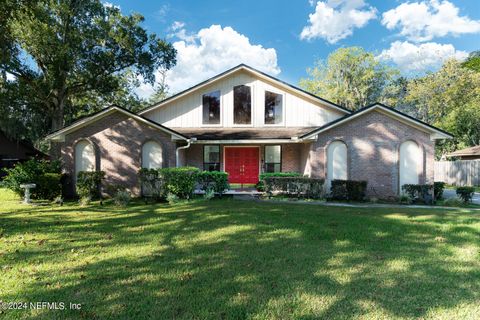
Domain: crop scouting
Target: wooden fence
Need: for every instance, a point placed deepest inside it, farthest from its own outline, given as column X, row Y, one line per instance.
column 459, row 173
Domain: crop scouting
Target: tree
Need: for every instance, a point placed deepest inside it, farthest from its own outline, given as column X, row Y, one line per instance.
column 161, row 90
column 65, row 51
column 473, row 61
column 351, row 77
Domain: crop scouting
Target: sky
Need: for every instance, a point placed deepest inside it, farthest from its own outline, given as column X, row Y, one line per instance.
column 283, row 38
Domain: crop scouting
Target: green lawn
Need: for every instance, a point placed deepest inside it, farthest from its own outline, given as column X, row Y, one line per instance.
column 227, row 259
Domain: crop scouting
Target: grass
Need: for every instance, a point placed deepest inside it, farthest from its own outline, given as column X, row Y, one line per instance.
column 232, row 259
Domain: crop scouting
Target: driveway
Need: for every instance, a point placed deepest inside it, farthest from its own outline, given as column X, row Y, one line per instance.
column 450, row 193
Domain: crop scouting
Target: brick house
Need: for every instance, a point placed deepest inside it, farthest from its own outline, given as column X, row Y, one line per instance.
column 245, row 122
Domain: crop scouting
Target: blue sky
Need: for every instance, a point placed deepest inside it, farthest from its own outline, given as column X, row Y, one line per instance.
column 283, row 38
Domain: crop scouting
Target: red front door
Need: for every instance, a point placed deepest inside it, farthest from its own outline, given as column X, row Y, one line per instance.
column 241, row 164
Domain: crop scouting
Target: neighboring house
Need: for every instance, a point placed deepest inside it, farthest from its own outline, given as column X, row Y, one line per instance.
column 472, row 153
column 12, row 151
column 246, row 122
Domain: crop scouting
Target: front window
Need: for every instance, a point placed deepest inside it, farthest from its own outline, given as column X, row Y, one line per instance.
column 273, row 158
column 211, row 158
column 242, row 105
column 273, row 108
column 211, row 108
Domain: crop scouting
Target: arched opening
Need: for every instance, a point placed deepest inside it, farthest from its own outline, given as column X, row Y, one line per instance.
column 410, row 162
column 152, row 157
column 84, row 157
column 337, row 161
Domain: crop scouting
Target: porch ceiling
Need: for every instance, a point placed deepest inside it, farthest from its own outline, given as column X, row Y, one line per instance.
column 243, row 133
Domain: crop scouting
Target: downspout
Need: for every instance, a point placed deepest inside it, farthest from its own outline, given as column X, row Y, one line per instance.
column 177, row 154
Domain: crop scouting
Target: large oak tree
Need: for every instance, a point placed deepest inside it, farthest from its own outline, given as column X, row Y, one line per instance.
column 63, row 51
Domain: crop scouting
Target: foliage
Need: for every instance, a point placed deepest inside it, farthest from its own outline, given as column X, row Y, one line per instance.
column 351, row 77
column 405, row 199
column 453, row 202
column 350, row 190
column 209, row 194
column 260, row 186
column 151, row 183
column 45, row 174
column 419, row 192
column 181, row 181
column 216, row 181
column 172, row 198
column 88, row 184
column 122, row 198
column 67, row 51
column 438, row 187
column 300, row 187
column 473, row 61
column 465, row 193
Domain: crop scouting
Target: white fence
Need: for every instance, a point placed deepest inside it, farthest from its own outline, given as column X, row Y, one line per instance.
column 459, row 173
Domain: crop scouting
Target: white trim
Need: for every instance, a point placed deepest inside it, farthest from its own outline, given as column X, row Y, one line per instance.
column 388, row 112
column 259, row 75
column 252, row 107
column 284, row 98
column 259, row 141
column 81, row 123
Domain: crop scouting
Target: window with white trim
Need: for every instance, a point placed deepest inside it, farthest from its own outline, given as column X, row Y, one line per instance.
column 211, row 107
column 242, row 105
column 211, row 158
column 273, row 158
column 273, row 108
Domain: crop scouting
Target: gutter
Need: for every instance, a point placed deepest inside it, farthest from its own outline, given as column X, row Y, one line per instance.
column 177, row 153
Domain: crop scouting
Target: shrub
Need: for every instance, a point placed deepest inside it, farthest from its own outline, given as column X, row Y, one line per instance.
column 438, row 187
column 151, row 183
column 297, row 186
column 88, row 184
column 213, row 180
column 209, row 194
column 122, row 198
column 49, row 186
column 419, row 192
column 45, row 174
column 465, row 193
column 261, row 184
column 405, row 199
column 172, row 198
column 350, row 190
column 180, row 181
column 453, row 202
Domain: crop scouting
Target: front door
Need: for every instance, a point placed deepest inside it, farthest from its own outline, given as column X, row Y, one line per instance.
column 242, row 164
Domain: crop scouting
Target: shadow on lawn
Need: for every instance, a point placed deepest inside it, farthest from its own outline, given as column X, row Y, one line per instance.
column 233, row 259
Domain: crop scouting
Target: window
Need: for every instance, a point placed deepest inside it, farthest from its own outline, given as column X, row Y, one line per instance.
column 84, row 157
column 211, row 108
column 410, row 162
column 152, row 157
column 242, row 105
column 211, row 158
column 273, row 159
column 336, row 161
column 273, row 108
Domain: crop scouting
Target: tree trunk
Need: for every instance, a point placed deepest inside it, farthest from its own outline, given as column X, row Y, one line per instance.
column 58, row 111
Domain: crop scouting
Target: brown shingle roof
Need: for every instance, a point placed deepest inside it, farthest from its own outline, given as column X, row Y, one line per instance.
column 243, row 133
column 472, row 151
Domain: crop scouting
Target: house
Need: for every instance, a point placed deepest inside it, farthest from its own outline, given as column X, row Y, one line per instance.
column 13, row 151
column 245, row 122
column 472, row 153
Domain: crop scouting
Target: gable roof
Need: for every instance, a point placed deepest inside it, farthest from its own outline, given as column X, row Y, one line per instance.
column 256, row 72
column 472, row 151
column 109, row 110
column 441, row 134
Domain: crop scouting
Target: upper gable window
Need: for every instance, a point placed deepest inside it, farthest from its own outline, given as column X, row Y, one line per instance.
column 211, row 107
column 273, row 108
column 242, row 105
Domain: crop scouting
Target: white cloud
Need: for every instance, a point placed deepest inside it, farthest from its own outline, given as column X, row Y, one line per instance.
column 211, row 51
column 411, row 57
column 423, row 21
column 334, row 20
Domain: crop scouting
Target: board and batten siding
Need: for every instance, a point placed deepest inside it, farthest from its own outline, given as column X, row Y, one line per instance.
column 186, row 112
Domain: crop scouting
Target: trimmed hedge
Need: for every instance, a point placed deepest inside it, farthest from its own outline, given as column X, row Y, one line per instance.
column 88, row 184
column 299, row 186
column 465, row 193
column 181, row 181
column 45, row 174
column 214, row 180
column 350, row 190
column 151, row 183
column 261, row 185
column 438, row 187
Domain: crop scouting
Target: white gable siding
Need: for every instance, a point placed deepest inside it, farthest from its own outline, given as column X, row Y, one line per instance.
column 298, row 111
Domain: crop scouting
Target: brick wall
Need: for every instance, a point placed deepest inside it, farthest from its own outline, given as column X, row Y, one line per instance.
column 118, row 141
column 373, row 141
